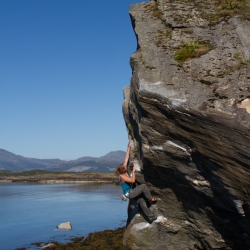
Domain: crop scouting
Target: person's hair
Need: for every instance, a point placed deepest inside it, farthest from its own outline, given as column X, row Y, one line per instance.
column 120, row 169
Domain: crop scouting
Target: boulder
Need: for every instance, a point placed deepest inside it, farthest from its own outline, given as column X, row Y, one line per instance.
column 187, row 113
column 50, row 245
column 65, row 225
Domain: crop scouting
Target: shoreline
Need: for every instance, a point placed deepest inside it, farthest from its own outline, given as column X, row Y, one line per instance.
column 45, row 177
column 58, row 181
column 106, row 239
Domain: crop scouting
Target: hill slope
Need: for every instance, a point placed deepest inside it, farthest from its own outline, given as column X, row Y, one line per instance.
column 106, row 163
column 10, row 161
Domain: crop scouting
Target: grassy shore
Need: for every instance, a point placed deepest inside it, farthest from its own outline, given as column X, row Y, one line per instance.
column 42, row 176
column 104, row 240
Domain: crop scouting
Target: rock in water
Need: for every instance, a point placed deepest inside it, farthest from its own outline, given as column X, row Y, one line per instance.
column 65, row 225
column 50, row 245
column 187, row 111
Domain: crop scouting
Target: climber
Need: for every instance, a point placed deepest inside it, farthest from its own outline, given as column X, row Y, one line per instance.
column 139, row 193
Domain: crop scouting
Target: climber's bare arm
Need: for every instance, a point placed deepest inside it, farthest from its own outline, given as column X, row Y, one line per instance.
column 125, row 163
column 126, row 178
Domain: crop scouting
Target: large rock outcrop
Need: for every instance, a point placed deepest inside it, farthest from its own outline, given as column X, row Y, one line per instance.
column 187, row 111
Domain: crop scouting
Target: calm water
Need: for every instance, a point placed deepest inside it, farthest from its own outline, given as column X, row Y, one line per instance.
column 30, row 212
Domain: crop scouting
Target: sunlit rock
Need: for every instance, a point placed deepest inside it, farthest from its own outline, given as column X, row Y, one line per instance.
column 50, row 245
column 187, row 113
column 65, row 225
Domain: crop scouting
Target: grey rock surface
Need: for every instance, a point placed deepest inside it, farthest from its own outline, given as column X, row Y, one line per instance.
column 190, row 122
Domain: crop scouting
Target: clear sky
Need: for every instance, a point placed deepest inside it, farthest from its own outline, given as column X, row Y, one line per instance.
column 63, row 67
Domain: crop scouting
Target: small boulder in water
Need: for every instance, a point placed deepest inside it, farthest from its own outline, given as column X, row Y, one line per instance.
column 65, row 225
column 50, row 245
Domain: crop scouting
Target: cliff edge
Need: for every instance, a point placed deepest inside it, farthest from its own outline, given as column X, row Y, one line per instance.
column 187, row 111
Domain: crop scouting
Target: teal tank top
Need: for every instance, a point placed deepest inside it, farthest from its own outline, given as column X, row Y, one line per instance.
column 125, row 186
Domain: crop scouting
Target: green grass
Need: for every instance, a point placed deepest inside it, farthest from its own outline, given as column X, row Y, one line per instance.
column 192, row 50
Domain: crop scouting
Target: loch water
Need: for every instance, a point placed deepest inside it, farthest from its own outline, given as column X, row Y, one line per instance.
column 29, row 213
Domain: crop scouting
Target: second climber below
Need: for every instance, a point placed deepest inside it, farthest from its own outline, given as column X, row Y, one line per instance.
column 139, row 193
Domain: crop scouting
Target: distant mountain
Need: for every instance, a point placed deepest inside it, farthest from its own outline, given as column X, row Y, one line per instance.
column 10, row 161
column 105, row 164
column 114, row 155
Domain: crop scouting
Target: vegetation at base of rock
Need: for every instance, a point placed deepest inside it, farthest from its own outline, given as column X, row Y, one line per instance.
column 192, row 50
column 107, row 239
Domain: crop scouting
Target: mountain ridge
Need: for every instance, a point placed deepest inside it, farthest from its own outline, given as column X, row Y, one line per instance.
column 107, row 163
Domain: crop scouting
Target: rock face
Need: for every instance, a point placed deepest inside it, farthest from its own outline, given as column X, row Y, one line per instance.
column 187, row 111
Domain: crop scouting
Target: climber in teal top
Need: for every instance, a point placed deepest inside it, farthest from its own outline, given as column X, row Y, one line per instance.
column 140, row 193
column 125, row 187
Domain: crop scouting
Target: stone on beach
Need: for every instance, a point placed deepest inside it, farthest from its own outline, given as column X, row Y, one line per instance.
column 65, row 225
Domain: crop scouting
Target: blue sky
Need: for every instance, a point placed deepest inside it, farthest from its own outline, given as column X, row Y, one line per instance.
column 63, row 67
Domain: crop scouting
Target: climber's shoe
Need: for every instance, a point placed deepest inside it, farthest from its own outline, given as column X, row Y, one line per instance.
column 152, row 219
column 153, row 200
